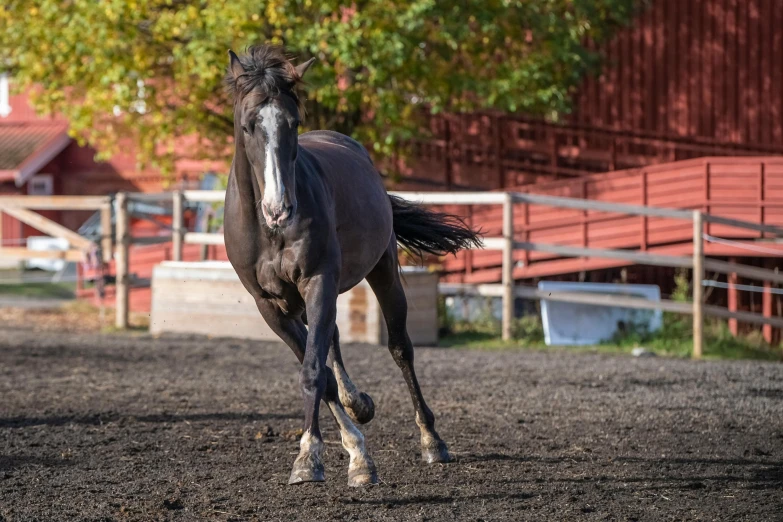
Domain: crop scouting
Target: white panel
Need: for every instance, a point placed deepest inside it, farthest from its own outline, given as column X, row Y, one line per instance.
column 584, row 324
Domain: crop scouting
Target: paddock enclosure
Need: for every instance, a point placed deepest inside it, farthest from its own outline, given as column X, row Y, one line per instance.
column 128, row 427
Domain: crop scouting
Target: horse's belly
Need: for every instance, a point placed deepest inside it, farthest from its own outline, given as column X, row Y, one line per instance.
column 362, row 248
column 363, row 213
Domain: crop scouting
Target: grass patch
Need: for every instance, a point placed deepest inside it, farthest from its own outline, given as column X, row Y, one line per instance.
column 673, row 340
column 484, row 334
column 39, row 290
column 138, row 325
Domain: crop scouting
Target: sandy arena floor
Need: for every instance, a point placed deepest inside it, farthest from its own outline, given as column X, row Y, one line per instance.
column 129, row 427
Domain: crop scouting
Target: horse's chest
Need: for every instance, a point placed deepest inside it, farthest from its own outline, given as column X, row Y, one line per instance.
column 270, row 278
column 276, row 284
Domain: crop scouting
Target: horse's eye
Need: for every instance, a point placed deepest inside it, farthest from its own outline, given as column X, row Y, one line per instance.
column 244, row 129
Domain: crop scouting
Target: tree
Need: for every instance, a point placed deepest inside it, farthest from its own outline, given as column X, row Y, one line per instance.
column 151, row 70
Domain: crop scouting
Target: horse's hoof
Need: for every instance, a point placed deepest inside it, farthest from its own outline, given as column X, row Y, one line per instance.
column 438, row 453
column 303, row 472
column 361, row 409
column 362, row 477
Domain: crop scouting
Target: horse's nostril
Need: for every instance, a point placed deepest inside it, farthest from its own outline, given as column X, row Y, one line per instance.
column 277, row 214
column 283, row 216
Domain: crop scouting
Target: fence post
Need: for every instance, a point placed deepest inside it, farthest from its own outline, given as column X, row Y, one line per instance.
column 106, row 232
column 698, row 289
column 733, row 298
column 508, row 266
column 176, row 225
column 123, row 243
column 766, row 310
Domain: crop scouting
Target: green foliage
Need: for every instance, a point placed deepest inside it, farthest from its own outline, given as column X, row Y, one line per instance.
column 674, row 339
column 528, row 329
column 150, row 71
column 484, row 323
column 682, row 286
column 446, row 322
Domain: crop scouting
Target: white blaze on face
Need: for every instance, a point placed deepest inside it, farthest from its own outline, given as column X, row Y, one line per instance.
column 269, row 117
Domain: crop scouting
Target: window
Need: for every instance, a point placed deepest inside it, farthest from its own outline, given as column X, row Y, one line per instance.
column 41, row 185
column 5, row 108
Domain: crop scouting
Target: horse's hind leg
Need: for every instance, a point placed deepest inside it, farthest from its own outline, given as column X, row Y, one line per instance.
column 361, row 468
column 385, row 282
column 359, row 405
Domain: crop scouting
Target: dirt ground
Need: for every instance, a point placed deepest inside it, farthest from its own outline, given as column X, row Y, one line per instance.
column 128, row 427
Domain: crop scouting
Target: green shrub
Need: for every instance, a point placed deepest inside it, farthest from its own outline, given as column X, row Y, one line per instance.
column 529, row 328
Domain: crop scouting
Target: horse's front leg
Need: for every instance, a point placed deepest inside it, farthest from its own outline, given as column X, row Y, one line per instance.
column 320, row 295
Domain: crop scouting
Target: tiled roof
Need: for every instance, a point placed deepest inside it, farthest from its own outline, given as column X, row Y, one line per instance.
column 26, row 147
column 20, row 141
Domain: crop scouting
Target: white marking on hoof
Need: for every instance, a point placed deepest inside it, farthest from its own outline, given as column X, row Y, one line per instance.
column 433, row 450
column 311, row 446
column 361, row 468
column 308, row 466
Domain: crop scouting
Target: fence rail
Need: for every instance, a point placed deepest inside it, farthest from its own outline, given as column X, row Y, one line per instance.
column 21, row 208
column 613, row 300
column 55, row 202
column 507, row 289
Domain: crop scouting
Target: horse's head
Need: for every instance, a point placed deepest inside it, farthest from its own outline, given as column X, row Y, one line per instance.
column 267, row 115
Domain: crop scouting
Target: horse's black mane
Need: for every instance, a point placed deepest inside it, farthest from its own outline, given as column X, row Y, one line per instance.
column 268, row 72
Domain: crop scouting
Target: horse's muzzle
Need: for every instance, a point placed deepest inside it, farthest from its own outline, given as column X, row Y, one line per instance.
column 277, row 216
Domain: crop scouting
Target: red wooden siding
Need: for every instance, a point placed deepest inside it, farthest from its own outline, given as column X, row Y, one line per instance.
column 11, row 231
column 688, row 79
column 750, row 189
column 701, row 68
column 143, row 259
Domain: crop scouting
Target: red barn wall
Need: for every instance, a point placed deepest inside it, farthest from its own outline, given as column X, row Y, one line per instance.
column 706, row 68
column 687, row 79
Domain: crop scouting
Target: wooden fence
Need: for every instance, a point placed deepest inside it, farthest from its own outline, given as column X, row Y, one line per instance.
column 23, row 209
column 507, row 244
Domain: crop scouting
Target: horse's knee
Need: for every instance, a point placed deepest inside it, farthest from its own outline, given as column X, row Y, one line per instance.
column 402, row 352
column 312, row 378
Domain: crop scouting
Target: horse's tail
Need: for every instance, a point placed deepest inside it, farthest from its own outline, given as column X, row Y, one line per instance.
column 421, row 231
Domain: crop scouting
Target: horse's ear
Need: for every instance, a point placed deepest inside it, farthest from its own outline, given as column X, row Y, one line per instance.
column 235, row 66
column 301, row 69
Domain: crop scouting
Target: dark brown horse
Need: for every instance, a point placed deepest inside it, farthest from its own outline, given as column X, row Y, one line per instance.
column 307, row 218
